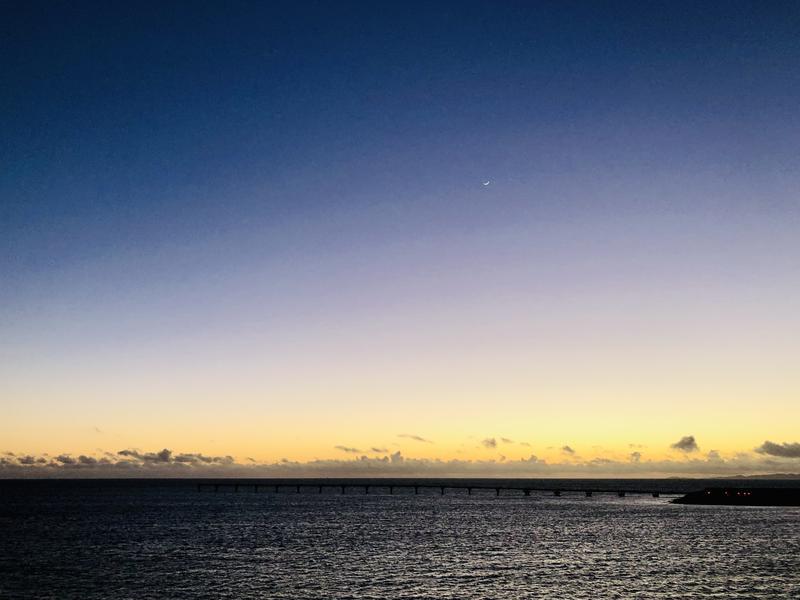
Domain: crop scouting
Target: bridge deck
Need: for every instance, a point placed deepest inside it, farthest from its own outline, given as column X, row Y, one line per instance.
column 390, row 488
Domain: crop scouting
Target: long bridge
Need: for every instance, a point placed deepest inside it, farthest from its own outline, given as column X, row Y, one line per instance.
column 373, row 487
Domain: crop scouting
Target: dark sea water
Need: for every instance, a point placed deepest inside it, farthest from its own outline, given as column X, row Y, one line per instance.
column 167, row 540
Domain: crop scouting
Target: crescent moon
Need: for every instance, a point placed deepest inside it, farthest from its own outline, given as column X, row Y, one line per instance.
column 487, row 182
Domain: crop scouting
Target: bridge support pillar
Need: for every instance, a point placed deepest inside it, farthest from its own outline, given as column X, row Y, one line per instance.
column 588, row 493
column 557, row 493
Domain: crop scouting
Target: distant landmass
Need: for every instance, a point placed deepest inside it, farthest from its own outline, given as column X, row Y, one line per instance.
column 743, row 496
column 767, row 476
column 743, row 477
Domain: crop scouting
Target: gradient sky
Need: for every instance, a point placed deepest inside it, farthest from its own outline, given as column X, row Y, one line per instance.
column 262, row 229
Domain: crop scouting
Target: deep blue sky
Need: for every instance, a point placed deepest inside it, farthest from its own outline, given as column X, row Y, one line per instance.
column 242, row 183
column 129, row 123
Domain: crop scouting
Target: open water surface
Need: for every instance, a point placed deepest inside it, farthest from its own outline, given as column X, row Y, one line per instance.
column 92, row 540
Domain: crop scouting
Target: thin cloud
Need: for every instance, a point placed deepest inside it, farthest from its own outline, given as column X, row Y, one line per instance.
column 379, row 450
column 506, row 440
column 416, row 438
column 686, row 444
column 348, row 449
column 567, row 450
column 489, row 443
column 785, row 450
column 635, row 457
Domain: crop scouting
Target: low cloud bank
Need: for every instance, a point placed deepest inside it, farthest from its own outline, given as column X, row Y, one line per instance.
column 769, row 458
column 167, row 457
column 127, row 462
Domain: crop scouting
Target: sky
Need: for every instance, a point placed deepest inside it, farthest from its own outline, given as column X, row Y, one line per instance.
column 447, row 238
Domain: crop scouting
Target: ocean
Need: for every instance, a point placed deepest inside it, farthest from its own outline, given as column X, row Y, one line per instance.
column 165, row 539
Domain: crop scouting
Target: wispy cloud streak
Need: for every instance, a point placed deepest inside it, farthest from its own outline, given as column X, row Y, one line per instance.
column 416, row 438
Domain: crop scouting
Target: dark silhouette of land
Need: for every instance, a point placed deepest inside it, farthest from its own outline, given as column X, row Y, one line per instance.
column 782, row 476
column 739, row 496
